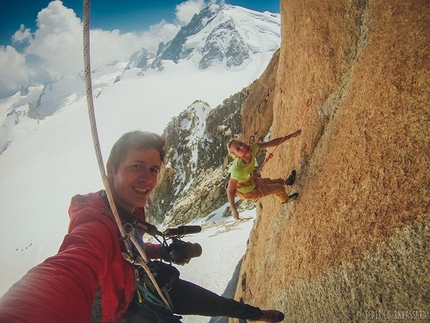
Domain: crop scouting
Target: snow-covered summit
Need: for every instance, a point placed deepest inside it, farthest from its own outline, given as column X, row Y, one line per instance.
column 222, row 50
column 47, row 152
column 227, row 35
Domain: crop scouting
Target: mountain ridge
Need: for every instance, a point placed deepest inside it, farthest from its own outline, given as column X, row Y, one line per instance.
column 214, row 36
column 145, row 66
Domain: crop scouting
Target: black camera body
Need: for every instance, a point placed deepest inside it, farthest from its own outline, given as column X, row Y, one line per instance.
column 178, row 251
column 183, row 250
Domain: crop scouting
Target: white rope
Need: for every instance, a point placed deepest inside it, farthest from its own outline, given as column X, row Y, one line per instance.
column 90, row 103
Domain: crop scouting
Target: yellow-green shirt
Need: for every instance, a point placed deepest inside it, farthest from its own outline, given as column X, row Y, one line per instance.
column 242, row 172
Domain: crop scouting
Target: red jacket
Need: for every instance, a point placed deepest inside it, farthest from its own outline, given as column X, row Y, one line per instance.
column 62, row 288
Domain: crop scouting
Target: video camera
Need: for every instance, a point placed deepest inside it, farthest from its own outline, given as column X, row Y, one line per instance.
column 178, row 251
column 182, row 230
column 173, row 248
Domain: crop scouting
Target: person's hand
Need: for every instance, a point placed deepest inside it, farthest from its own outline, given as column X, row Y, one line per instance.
column 295, row 134
column 235, row 214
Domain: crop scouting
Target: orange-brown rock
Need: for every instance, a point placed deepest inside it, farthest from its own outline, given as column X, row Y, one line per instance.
column 355, row 245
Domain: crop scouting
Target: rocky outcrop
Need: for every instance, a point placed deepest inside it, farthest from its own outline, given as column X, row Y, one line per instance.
column 214, row 50
column 34, row 113
column 257, row 110
column 192, row 184
column 355, row 246
column 140, row 59
column 175, row 49
column 218, row 35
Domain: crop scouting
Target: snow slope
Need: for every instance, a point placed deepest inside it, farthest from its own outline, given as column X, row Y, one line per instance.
column 48, row 161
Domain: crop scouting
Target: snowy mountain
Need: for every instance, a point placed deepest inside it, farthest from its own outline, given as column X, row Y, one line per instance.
column 47, row 154
column 219, row 41
column 192, row 184
column 227, row 35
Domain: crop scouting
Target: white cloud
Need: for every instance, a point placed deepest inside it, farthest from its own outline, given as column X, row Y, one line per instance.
column 22, row 35
column 107, row 46
column 186, row 10
column 58, row 40
column 14, row 72
column 219, row 2
column 161, row 32
column 56, row 48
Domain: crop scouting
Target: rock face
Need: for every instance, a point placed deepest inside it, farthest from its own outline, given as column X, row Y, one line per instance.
column 193, row 182
column 257, row 110
column 354, row 247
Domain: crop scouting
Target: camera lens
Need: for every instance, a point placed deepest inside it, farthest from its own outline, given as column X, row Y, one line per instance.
column 193, row 250
column 186, row 250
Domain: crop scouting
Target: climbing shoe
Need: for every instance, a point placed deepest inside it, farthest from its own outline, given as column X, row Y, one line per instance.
column 271, row 316
column 292, row 197
column 290, row 180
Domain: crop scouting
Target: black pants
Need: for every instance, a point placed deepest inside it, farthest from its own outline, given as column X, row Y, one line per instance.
column 191, row 299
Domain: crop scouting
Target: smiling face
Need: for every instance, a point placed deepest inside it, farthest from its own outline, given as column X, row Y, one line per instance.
column 135, row 178
column 239, row 149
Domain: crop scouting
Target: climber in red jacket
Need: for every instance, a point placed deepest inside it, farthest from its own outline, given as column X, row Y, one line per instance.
column 89, row 268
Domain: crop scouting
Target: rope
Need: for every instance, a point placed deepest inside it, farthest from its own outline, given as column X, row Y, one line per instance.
column 90, row 103
column 143, row 262
column 244, row 298
column 89, row 93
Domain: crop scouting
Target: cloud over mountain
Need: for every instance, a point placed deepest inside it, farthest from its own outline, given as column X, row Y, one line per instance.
column 54, row 50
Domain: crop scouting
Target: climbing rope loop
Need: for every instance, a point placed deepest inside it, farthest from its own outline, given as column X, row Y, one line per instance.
column 89, row 95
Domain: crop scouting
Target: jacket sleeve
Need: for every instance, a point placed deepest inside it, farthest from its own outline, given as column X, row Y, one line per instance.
column 62, row 288
column 153, row 250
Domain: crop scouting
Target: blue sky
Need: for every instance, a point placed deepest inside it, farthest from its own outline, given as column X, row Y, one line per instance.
column 125, row 15
column 37, row 53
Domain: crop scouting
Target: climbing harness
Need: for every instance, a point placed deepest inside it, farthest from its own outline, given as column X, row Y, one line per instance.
column 125, row 236
column 145, row 302
column 150, row 307
column 301, row 116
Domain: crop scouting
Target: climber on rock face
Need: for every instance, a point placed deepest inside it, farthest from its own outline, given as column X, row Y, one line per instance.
column 91, row 280
column 244, row 180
